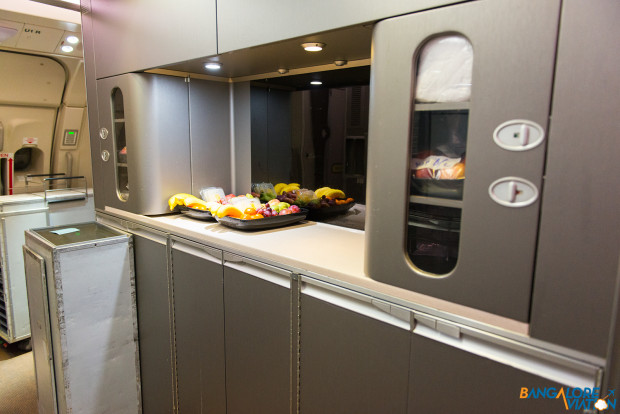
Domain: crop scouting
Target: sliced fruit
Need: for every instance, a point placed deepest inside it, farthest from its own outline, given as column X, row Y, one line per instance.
column 178, row 200
column 229, row 210
column 213, row 206
column 197, row 204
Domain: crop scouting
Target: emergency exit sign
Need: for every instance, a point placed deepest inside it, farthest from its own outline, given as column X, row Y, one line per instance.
column 30, row 141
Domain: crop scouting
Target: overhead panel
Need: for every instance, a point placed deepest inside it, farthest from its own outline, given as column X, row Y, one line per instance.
column 39, row 38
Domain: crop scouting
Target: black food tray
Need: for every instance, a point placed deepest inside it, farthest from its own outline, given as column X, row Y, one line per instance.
column 264, row 223
column 430, row 187
column 197, row 214
column 317, row 214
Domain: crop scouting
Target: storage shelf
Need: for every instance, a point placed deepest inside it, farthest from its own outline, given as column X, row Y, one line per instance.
column 441, row 106
column 434, row 201
column 433, row 226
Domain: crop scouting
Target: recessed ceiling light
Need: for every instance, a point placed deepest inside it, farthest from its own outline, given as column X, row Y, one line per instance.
column 313, row 47
column 213, row 65
column 73, row 39
column 7, row 33
column 67, row 49
column 316, row 83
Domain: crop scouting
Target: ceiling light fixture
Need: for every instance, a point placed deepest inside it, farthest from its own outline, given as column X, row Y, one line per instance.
column 213, row 65
column 282, row 71
column 67, row 49
column 313, row 46
column 6, row 33
column 316, row 82
column 74, row 40
column 340, row 62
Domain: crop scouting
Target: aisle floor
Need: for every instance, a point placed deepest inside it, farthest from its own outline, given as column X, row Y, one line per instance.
column 18, row 391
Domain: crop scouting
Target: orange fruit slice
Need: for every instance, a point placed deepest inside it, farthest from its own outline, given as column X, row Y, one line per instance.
column 229, row 210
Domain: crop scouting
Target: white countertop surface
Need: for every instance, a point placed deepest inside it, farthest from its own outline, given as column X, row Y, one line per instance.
column 326, row 252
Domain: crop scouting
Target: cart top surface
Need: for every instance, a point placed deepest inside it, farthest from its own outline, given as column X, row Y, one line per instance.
column 76, row 233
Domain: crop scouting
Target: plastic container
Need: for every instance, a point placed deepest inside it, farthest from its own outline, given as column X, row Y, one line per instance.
column 212, row 194
column 266, row 191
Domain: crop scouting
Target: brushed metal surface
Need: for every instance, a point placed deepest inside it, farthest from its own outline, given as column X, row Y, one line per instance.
column 156, row 117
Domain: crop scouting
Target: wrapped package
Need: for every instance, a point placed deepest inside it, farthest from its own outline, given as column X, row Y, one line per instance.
column 212, row 194
column 439, row 168
column 444, row 70
column 265, row 191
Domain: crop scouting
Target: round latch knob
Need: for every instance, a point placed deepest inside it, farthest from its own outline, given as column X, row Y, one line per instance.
column 518, row 135
column 105, row 155
column 103, row 133
column 513, row 192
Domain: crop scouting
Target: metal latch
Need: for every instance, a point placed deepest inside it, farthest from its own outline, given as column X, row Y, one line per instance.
column 441, row 326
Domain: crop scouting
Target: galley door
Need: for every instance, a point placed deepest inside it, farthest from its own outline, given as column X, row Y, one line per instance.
column 31, row 91
column 459, row 108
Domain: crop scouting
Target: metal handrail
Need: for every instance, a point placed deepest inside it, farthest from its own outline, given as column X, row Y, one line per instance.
column 40, row 175
column 76, row 195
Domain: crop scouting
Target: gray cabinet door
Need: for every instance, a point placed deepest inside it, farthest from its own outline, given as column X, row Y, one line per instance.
column 154, row 322
column 144, row 134
column 198, row 283
column 449, row 380
column 350, row 362
column 130, row 36
column 257, row 306
column 512, row 77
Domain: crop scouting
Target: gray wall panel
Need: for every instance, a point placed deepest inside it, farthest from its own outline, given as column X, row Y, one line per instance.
column 242, row 138
column 209, row 111
column 92, row 107
column 580, row 225
column 268, row 21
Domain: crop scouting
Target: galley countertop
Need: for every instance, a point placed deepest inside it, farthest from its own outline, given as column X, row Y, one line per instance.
column 326, row 252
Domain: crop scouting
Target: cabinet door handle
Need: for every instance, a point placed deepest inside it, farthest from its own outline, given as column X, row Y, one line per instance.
column 260, row 270
column 358, row 303
column 524, row 134
column 147, row 233
column 204, row 252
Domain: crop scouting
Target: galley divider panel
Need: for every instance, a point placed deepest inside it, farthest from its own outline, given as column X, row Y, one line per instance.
column 513, row 45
